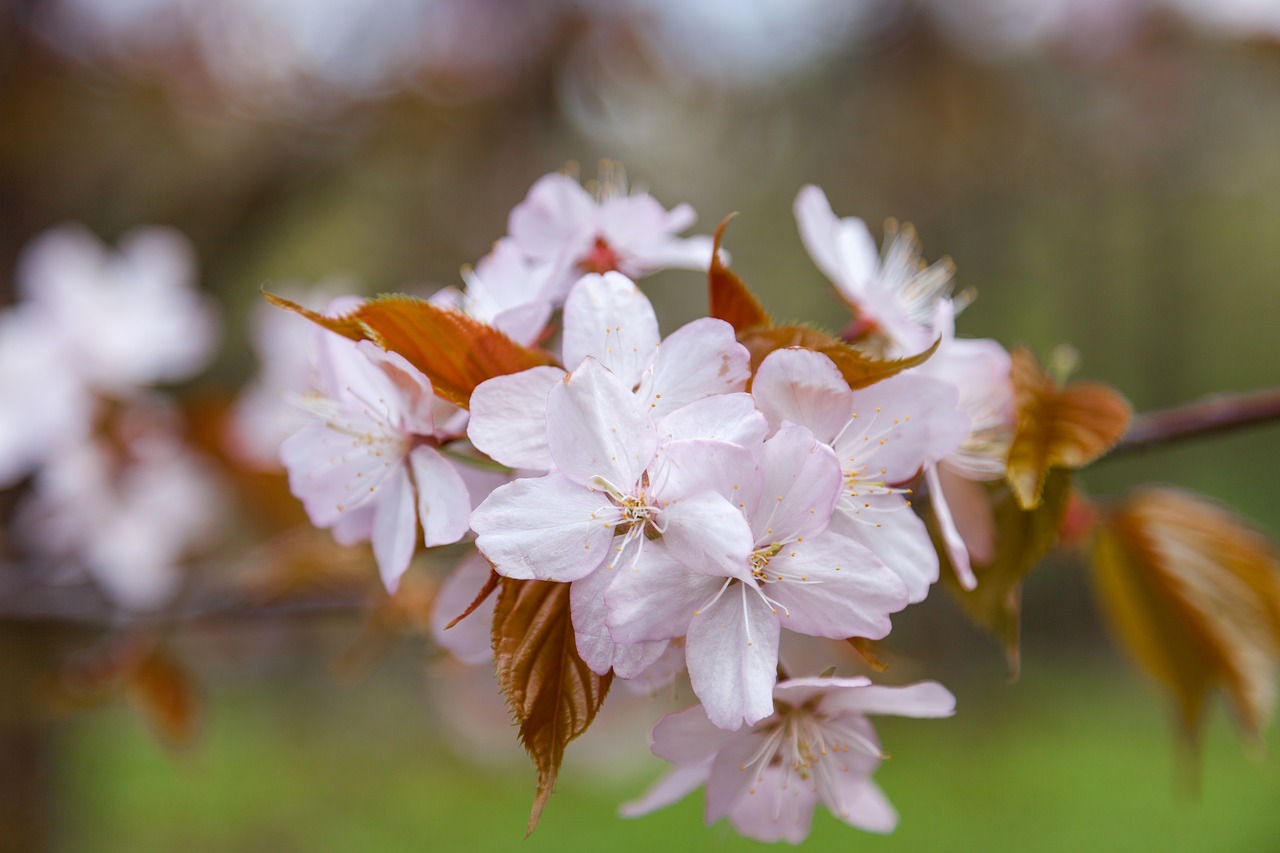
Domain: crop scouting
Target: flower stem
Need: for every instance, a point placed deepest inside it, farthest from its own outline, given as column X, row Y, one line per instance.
column 1206, row 416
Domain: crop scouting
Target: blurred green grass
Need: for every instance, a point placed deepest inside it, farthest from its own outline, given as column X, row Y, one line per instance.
column 1070, row 759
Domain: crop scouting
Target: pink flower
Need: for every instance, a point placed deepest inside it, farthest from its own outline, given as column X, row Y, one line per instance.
column 125, row 319
column 561, row 224
column 799, row 575
column 895, row 294
column 611, row 492
column 368, row 466
column 128, row 522
column 817, row 746
column 883, row 436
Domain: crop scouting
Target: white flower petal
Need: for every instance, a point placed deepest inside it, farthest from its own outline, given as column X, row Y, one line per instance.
column 395, row 529
column 732, row 653
column 607, row 318
column 596, row 428
column 805, row 388
column 698, row 360
column 546, row 528
column 444, row 507
column 509, row 418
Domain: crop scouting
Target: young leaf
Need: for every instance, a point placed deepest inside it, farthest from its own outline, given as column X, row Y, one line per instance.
column 1194, row 595
column 456, row 352
column 552, row 692
column 1059, row 428
column 1023, row 537
column 731, row 299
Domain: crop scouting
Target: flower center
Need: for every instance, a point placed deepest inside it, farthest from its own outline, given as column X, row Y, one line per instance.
column 601, row 258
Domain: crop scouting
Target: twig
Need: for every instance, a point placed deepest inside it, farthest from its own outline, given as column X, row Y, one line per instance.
column 1206, row 416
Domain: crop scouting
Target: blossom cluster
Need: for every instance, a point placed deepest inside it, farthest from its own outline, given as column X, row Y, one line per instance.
column 115, row 490
column 698, row 499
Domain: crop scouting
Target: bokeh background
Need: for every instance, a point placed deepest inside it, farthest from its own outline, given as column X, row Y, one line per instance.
column 1104, row 174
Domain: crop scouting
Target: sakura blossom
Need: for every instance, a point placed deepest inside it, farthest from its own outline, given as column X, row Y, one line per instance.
column 893, row 294
column 799, row 575
column 369, row 466
column 561, row 224
column 124, row 319
column 130, row 521
column 816, row 747
column 611, row 492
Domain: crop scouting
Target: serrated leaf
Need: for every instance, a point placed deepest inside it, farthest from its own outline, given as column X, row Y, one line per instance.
column 1193, row 593
column 1059, row 428
column 454, row 351
column 730, row 298
column 1023, row 538
column 490, row 585
column 552, row 692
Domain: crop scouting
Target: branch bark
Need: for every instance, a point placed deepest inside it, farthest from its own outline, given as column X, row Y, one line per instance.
column 1207, row 416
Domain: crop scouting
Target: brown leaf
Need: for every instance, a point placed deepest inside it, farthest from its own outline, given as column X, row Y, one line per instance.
column 731, row 299
column 455, row 351
column 1059, row 428
column 552, row 692
column 162, row 689
column 1023, row 538
column 1193, row 593
column 867, row 650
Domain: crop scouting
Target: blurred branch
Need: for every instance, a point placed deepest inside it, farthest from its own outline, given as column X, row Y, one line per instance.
column 1207, row 416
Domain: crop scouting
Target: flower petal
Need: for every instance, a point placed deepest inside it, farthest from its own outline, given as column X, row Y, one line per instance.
column 509, row 418
column 698, row 360
column 596, row 647
column 922, row 699
column 805, row 388
column 395, row 530
column 545, row 528
column 776, row 808
column 469, row 640
column 709, row 535
column 732, row 654
column 951, row 538
column 800, row 484
column 656, row 599
column 444, row 506
column 596, row 428
column 671, row 788
column 833, row 587
column 726, row 417
column 886, row 525
column 688, row 739
column 901, row 425
column 607, row 318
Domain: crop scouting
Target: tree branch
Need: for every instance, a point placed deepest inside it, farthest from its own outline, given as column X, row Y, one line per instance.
column 1206, row 416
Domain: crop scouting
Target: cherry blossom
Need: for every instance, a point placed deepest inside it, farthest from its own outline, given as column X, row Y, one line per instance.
column 124, row 319
column 43, row 405
column 127, row 521
column 817, row 747
column 799, row 575
column 368, row 465
column 560, row 223
column 883, row 436
column 611, row 493
column 894, row 294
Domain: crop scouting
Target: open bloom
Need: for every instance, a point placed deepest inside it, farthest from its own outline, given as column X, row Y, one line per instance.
column 894, row 294
column 611, row 494
column 561, row 224
column 124, row 319
column 817, row 746
column 883, row 436
column 368, row 465
column 799, row 575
